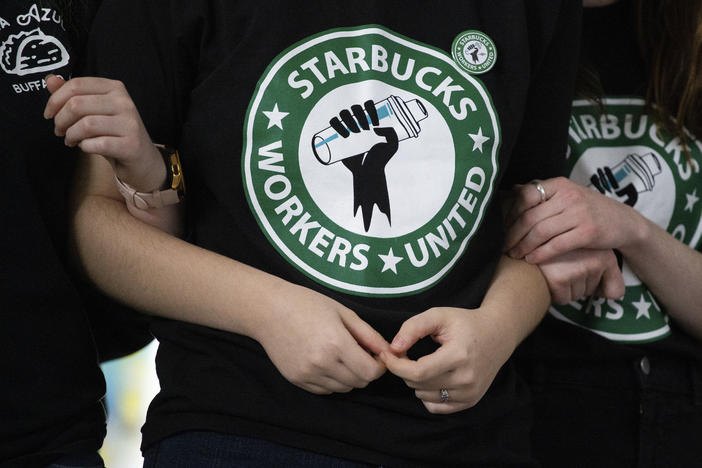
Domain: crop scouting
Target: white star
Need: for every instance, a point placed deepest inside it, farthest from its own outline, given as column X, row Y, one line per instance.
column 692, row 198
column 642, row 307
column 478, row 139
column 390, row 261
column 275, row 117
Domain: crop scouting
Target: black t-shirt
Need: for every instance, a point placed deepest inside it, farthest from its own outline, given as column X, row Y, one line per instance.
column 50, row 398
column 389, row 222
column 652, row 176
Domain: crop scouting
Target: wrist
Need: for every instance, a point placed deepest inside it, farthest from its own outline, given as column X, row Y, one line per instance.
column 639, row 235
column 173, row 189
column 147, row 174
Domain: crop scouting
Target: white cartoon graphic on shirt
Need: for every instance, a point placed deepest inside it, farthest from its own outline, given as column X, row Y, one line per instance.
column 624, row 181
column 32, row 52
column 364, row 139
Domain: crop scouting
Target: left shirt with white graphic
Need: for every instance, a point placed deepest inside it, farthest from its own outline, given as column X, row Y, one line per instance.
column 52, row 389
column 33, row 43
column 625, row 155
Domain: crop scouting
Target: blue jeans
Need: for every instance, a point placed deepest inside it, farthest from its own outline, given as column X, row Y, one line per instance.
column 215, row 450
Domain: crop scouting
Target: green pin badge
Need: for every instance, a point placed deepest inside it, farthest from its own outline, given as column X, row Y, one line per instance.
column 474, row 52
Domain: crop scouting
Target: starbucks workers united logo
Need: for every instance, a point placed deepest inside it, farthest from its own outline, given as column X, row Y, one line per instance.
column 624, row 155
column 369, row 160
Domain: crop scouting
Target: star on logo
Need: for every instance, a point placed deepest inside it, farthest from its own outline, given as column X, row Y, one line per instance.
column 390, row 261
column 642, row 307
column 692, row 199
column 478, row 139
column 275, row 117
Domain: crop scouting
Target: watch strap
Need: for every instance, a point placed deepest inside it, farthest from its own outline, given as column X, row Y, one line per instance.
column 146, row 200
column 175, row 184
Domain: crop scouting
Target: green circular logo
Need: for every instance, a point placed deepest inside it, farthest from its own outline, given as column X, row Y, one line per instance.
column 369, row 160
column 474, row 52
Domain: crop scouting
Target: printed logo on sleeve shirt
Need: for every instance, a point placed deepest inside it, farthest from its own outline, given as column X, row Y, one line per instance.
column 626, row 156
column 369, row 160
column 26, row 49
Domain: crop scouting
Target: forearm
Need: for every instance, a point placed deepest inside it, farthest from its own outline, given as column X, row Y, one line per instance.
column 157, row 273
column 517, row 299
column 671, row 270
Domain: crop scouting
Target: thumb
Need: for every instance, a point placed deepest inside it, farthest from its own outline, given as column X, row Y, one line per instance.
column 414, row 329
column 364, row 334
column 53, row 83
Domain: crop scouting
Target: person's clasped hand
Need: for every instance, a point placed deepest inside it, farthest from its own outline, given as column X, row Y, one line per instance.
column 99, row 116
column 566, row 231
column 473, row 348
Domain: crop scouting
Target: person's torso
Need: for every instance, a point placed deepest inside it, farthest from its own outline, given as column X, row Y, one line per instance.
column 388, row 220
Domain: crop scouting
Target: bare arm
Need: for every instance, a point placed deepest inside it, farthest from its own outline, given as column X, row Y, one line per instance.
column 475, row 343
column 312, row 340
column 670, row 269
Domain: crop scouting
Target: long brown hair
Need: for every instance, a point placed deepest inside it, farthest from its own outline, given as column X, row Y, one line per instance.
column 670, row 38
column 669, row 35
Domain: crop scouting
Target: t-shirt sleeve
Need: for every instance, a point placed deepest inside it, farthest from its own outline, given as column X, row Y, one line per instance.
column 135, row 41
column 541, row 146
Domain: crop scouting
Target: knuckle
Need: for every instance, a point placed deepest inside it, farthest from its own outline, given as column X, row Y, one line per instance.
column 74, row 85
column 101, row 146
column 468, row 376
column 433, row 409
column 124, row 103
column 89, row 123
column 74, row 104
column 370, row 374
column 362, row 384
column 416, row 375
column 118, row 85
column 540, row 231
column 316, row 361
column 132, row 126
column 558, row 294
column 472, row 401
column 528, row 218
column 561, row 298
column 588, row 232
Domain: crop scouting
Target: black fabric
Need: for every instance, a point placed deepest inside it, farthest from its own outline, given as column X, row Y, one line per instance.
column 616, row 415
column 192, row 68
column 50, row 400
column 52, row 387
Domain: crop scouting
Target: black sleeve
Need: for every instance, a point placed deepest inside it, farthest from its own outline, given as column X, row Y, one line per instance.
column 541, row 145
column 136, row 42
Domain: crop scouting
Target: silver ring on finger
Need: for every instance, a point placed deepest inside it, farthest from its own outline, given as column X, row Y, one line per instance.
column 541, row 190
column 444, row 395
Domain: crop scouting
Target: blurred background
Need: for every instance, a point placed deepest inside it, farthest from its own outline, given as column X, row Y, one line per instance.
column 131, row 384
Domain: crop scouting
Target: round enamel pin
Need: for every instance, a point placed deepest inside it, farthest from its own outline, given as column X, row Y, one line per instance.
column 474, row 52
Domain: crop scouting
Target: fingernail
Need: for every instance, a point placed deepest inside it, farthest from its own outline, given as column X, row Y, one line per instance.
column 397, row 343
